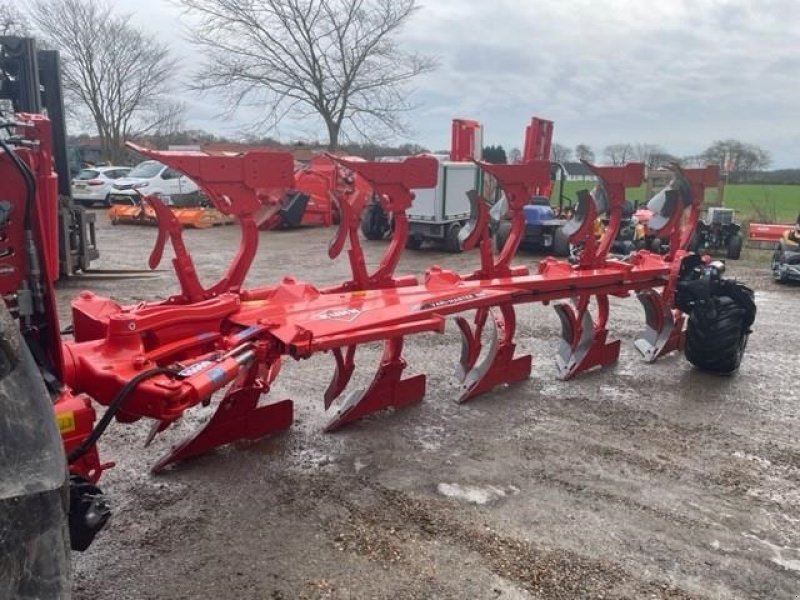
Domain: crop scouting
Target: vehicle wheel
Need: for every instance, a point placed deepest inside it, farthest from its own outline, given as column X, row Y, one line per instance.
column 451, row 242
column 560, row 243
column 374, row 223
column 735, row 246
column 777, row 259
column 34, row 544
column 414, row 242
column 107, row 201
column 716, row 336
column 694, row 243
column 655, row 245
column 501, row 236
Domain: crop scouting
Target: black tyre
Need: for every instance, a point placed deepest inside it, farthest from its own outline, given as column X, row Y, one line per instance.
column 451, row 242
column 414, row 243
column 655, row 245
column 777, row 259
column 716, row 336
column 501, row 236
column 374, row 223
column 560, row 243
column 735, row 246
column 694, row 243
column 34, row 542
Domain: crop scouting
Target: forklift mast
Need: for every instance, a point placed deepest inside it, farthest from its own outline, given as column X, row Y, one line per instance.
column 31, row 81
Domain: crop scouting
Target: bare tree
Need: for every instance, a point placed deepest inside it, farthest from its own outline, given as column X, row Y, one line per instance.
column 618, row 154
column 117, row 74
column 560, row 153
column 12, row 21
column 735, row 156
column 514, row 155
column 584, row 152
column 653, row 155
column 337, row 60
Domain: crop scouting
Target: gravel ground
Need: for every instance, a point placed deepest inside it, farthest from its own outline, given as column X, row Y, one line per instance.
column 640, row 481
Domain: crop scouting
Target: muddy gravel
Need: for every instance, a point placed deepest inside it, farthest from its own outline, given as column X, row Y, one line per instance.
column 640, row 481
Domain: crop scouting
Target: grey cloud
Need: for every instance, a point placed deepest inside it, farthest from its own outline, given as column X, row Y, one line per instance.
column 679, row 73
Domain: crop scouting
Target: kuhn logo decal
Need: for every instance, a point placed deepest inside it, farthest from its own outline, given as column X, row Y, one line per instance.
column 339, row 314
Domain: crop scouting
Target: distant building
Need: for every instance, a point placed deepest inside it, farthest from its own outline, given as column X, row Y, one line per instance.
column 577, row 171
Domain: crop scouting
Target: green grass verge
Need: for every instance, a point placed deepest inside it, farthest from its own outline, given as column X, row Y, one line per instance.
column 752, row 202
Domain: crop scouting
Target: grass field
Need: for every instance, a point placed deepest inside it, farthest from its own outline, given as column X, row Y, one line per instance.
column 752, row 202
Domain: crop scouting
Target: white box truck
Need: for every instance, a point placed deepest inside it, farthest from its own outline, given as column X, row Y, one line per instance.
column 438, row 214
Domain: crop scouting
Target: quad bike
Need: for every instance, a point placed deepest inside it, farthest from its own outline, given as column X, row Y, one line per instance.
column 718, row 232
column 785, row 263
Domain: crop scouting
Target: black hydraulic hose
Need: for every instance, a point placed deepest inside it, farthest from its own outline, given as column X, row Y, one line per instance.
column 113, row 409
column 30, row 183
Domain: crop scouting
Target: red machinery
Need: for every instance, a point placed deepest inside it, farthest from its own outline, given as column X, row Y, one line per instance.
column 138, row 212
column 224, row 336
column 312, row 198
column 155, row 360
column 465, row 140
column 769, row 233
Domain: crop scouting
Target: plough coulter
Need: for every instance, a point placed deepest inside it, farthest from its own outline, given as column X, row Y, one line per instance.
column 156, row 360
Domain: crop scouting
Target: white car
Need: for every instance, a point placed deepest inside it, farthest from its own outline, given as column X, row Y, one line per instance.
column 151, row 178
column 92, row 186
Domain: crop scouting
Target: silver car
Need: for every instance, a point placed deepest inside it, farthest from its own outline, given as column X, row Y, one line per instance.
column 92, row 185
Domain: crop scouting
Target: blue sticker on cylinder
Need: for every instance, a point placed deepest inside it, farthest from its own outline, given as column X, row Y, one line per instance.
column 217, row 375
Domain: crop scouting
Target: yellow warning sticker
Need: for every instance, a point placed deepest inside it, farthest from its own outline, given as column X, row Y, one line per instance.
column 66, row 422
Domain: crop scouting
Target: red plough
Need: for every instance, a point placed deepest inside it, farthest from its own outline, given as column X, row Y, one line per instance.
column 156, row 360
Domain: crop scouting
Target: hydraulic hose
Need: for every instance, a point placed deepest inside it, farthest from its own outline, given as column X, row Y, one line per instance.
column 113, row 409
column 30, row 182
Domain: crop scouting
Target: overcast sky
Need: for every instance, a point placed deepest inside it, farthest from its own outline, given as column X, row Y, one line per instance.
column 676, row 73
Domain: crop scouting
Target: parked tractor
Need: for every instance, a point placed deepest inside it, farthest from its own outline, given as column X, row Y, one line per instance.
column 544, row 222
column 718, row 231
